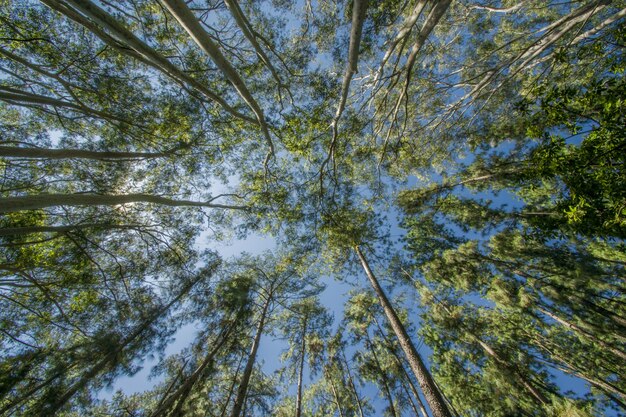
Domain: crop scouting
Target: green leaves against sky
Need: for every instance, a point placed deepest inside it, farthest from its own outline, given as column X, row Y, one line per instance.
column 441, row 182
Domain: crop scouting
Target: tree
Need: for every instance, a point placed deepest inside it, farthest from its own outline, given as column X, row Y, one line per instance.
column 134, row 132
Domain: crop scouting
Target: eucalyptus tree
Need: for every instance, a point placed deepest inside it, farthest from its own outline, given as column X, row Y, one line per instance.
column 127, row 126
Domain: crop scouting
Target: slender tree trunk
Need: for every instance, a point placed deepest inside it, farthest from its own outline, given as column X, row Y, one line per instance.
column 231, row 390
column 413, row 406
column 301, row 371
column 18, row 231
column 530, row 388
column 359, row 9
column 53, row 407
column 583, row 332
column 124, row 41
column 20, row 98
column 34, row 202
column 351, row 381
column 247, row 373
column 435, row 400
column 334, row 389
column 45, row 153
column 401, row 366
column 246, row 29
column 383, row 377
column 189, row 22
column 182, row 393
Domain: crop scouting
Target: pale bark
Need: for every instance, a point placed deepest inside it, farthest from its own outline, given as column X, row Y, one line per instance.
column 435, row 400
column 435, row 15
column 246, row 29
column 407, row 26
column 47, row 153
column 22, row 98
column 564, row 24
column 34, row 202
column 120, row 36
column 359, row 9
column 242, row 390
column 191, row 24
column 591, row 32
column 26, row 230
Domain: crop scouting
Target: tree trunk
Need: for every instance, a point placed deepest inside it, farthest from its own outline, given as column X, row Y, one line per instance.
column 231, row 390
column 383, row 377
column 34, row 202
column 46, row 153
column 334, row 389
column 435, row 400
column 21, row 98
column 401, row 366
column 247, row 373
column 583, row 333
column 351, row 381
column 247, row 31
column 18, row 231
column 301, row 371
column 124, row 41
column 53, row 407
column 189, row 22
column 182, row 393
column 530, row 388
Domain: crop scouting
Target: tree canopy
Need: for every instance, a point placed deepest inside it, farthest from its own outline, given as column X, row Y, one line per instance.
column 441, row 182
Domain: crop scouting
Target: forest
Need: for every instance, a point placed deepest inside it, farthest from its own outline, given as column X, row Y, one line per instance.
column 312, row 208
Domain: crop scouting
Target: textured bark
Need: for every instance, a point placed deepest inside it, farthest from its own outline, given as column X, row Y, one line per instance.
column 34, row 202
column 47, row 153
column 242, row 390
column 435, row 400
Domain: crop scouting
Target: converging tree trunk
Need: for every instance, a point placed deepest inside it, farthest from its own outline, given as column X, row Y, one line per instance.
column 247, row 373
column 34, row 202
column 435, row 400
column 301, row 370
column 51, row 408
column 46, row 153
